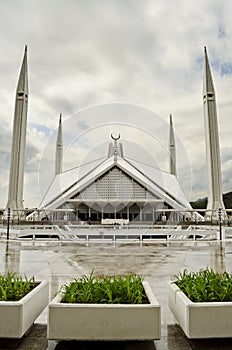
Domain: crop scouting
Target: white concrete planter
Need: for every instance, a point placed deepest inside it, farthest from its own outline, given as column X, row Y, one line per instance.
column 200, row 320
column 18, row 316
column 105, row 321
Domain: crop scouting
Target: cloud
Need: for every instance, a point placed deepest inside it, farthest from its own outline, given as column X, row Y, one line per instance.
column 83, row 53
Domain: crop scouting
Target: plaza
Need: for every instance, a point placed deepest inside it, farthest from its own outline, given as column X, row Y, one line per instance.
column 61, row 261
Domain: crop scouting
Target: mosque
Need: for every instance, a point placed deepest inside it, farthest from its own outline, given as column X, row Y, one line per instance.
column 115, row 189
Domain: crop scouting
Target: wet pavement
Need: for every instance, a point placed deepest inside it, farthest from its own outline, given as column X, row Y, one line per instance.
column 158, row 262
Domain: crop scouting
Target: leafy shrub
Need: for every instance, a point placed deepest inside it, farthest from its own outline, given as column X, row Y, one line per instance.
column 14, row 287
column 105, row 290
column 205, row 285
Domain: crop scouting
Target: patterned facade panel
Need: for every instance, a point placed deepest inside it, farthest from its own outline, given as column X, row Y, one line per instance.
column 113, row 185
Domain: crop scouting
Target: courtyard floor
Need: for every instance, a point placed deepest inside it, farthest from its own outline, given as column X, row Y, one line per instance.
column 158, row 262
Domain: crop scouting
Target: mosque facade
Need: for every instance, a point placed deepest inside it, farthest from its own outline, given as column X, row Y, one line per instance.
column 116, row 189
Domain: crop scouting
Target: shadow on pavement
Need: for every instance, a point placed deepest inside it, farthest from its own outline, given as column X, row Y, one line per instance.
column 106, row 345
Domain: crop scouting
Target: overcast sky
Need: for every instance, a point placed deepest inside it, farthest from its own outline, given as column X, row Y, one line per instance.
column 117, row 66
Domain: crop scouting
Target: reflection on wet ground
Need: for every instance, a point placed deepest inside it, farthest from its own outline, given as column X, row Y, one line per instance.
column 158, row 262
column 172, row 339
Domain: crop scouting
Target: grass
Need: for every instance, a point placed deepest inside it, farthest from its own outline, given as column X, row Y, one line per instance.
column 206, row 285
column 14, row 287
column 105, row 290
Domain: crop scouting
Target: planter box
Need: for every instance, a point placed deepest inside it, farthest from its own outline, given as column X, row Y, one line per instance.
column 104, row 321
column 200, row 320
column 18, row 316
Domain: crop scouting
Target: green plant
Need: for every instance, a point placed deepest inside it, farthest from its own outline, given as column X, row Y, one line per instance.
column 105, row 290
column 13, row 287
column 205, row 285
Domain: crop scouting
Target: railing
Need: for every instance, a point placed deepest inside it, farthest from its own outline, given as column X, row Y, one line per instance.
column 33, row 232
column 115, row 233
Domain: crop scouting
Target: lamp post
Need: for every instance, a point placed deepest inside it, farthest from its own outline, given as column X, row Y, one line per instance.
column 8, row 215
column 220, row 222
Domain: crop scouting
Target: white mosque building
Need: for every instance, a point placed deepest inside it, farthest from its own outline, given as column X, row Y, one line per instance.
column 116, row 188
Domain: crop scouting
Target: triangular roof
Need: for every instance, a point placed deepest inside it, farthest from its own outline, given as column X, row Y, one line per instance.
column 160, row 184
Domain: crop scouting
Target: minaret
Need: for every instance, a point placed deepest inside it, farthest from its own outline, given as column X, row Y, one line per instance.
column 59, row 149
column 16, row 179
column 172, row 149
column 212, row 144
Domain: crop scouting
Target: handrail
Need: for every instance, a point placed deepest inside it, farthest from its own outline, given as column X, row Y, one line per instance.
column 116, row 232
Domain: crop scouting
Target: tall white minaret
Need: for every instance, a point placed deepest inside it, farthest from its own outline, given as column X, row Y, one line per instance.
column 172, row 148
column 16, row 179
column 59, row 149
column 213, row 158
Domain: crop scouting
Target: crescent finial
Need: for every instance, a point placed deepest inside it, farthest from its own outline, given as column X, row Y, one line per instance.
column 115, row 138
